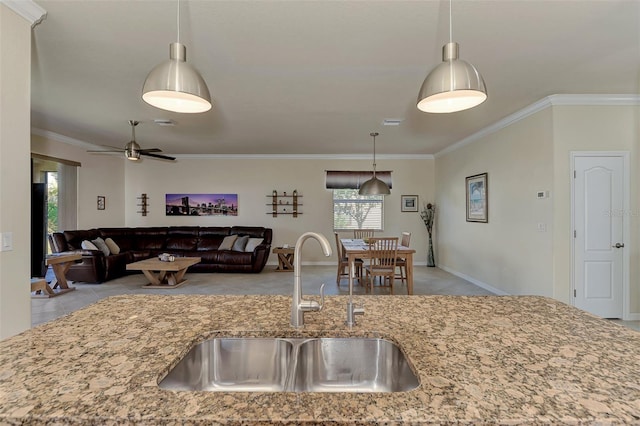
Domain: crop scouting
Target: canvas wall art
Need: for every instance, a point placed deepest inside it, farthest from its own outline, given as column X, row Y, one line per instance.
column 202, row 204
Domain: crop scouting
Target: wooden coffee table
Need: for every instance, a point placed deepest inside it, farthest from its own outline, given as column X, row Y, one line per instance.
column 164, row 274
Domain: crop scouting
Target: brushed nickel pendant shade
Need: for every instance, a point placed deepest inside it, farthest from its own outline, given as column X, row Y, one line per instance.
column 176, row 86
column 454, row 85
column 374, row 186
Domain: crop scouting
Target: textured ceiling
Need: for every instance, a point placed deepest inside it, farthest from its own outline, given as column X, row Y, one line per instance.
column 316, row 77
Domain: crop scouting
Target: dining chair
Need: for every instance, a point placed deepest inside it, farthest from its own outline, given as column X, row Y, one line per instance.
column 343, row 263
column 401, row 262
column 383, row 253
column 360, row 234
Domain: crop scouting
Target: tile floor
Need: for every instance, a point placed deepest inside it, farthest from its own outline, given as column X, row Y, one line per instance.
column 431, row 281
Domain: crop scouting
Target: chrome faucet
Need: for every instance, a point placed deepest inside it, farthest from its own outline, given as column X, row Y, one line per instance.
column 298, row 305
column 352, row 310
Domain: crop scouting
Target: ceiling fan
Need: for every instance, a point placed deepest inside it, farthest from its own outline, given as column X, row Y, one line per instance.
column 133, row 151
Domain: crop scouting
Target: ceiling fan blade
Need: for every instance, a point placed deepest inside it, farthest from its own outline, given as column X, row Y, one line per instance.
column 150, row 150
column 110, row 149
column 163, row 157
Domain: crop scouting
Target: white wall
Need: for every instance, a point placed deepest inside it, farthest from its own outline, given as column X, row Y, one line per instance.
column 254, row 179
column 507, row 253
column 532, row 155
column 98, row 175
column 15, row 188
column 593, row 128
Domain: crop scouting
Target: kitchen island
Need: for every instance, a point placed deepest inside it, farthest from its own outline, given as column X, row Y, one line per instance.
column 489, row 360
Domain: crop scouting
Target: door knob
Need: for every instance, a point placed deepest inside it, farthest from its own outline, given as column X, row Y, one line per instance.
column 618, row 245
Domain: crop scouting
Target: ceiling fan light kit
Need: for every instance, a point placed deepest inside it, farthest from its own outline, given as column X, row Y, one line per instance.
column 374, row 186
column 454, row 85
column 176, row 86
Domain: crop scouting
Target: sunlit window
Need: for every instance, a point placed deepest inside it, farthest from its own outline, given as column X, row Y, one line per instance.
column 354, row 211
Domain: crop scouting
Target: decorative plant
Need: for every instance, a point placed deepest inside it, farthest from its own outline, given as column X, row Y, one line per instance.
column 427, row 214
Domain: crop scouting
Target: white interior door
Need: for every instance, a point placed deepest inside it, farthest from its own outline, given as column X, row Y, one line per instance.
column 599, row 215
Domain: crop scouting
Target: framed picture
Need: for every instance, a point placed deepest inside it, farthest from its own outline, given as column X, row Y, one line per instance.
column 477, row 198
column 409, row 203
column 101, row 202
column 201, row 204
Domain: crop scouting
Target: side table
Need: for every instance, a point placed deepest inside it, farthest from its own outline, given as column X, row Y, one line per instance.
column 285, row 258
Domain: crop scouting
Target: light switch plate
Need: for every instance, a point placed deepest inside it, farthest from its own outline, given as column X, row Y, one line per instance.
column 7, row 241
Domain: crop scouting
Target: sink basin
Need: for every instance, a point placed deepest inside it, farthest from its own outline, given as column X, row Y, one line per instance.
column 293, row 365
column 233, row 364
column 352, row 365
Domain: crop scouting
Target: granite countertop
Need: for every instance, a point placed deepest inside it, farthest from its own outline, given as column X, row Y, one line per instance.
column 505, row 360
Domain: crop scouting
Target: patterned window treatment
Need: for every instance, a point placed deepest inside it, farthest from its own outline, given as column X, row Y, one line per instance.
column 340, row 179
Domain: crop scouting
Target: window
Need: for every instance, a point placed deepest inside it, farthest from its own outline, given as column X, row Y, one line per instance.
column 354, row 211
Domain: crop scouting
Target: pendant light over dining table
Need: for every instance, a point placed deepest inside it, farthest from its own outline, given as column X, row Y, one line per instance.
column 176, row 86
column 374, row 186
column 454, row 85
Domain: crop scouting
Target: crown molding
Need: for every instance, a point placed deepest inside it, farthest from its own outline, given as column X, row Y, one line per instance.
column 28, row 9
column 551, row 100
column 86, row 145
column 61, row 138
column 332, row 157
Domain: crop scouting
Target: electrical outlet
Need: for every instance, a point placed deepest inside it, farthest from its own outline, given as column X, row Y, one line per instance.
column 542, row 227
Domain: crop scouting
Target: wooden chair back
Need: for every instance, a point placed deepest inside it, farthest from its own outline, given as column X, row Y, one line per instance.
column 361, row 234
column 383, row 252
column 339, row 251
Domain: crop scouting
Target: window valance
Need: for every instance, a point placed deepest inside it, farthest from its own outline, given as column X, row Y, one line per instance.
column 342, row 179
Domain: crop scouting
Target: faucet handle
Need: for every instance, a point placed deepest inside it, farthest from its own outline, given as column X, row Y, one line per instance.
column 312, row 305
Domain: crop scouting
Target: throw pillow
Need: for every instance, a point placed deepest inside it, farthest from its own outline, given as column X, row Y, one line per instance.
column 88, row 245
column 240, row 243
column 253, row 243
column 99, row 242
column 113, row 247
column 227, row 243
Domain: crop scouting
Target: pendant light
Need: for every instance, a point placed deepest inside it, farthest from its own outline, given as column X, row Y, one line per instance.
column 176, row 86
column 374, row 186
column 454, row 85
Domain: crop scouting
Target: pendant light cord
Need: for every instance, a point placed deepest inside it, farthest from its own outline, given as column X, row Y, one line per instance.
column 450, row 24
column 374, row 155
column 178, row 21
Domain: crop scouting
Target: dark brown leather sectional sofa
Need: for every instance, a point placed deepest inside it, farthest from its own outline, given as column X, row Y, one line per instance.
column 142, row 243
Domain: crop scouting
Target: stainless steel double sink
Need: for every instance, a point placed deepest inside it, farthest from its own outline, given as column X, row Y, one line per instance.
column 257, row 364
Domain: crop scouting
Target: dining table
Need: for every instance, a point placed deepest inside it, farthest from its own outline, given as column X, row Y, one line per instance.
column 355, row 248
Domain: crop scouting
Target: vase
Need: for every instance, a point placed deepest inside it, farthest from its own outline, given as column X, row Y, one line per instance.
column 431, row 261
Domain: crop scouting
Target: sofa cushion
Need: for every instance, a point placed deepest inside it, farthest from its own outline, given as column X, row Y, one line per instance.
column 240, row 243
column 252, row 243
column 123, row 237
column 113, row 247
column 75, row 238
column 88, row 245
column 209, row 243
column 102, row 246
column 208, row 231
column 181, row 243
column 227, row 243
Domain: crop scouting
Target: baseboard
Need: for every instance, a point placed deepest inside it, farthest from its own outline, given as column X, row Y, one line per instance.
column 329, row 263
column 472, row 280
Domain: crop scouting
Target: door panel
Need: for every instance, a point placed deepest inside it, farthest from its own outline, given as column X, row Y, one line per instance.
column 599, row 224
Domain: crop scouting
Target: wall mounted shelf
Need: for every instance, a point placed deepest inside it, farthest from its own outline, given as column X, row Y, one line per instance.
column 284, row 203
